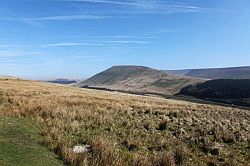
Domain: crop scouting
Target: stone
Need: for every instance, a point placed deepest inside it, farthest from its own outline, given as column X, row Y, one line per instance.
column 81, row 149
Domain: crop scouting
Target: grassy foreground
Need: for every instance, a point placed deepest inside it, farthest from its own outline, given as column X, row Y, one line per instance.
column 124, row 129
column 20, row 144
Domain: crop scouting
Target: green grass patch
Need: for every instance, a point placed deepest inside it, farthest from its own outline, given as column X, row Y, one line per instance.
column 20, row 144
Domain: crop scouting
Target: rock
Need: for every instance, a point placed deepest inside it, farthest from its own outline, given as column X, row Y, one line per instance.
column 81, row 149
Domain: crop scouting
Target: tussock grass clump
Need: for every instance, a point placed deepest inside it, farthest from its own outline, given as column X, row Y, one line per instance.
column 166, row 159
column 123, row 129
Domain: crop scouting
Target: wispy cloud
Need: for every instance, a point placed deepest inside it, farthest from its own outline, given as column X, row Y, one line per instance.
column 71, row 44
column 128, row 42
column 151, row 37
column 56, row 18
column 4, row 61
column 13, row 53
column 69, row 17
column 96, row 43
column 140, row 3
column 148, row 7
column 104, row 1
column 131, row 8
column 126, row 37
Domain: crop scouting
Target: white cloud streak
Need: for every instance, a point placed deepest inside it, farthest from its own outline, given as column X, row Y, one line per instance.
column 69, row 17
column 29, row 20
column 144, row 6
column 132, row 7
column 126, row 37
column 96, row 43
column 4, row 61
column 13, row 53
column 104, row 1
column 128, row 42
column 71, row 44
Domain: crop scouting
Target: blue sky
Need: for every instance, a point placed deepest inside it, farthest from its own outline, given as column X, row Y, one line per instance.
column 44, row 39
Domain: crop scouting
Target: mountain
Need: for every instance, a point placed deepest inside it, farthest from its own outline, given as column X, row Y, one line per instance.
column 216, row 73
column 139, row 79
column 62, row 81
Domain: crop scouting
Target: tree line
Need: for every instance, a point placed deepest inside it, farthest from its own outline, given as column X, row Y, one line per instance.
column 219, row 89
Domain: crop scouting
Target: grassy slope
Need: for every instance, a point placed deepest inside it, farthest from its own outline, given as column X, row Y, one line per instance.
column 127, row 129
column 19, row 142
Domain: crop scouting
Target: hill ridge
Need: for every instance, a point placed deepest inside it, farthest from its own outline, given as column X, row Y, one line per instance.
column 241, row 72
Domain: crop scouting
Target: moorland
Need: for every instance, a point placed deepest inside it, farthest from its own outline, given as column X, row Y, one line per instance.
column 126, row 129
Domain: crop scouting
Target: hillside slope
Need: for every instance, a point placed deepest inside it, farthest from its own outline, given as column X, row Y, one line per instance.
column 139, row 79
column 216, row 73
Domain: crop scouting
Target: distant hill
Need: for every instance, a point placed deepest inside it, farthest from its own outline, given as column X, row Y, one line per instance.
column 139, row 79
column 7, row 77
column 216, row 73
column 62, row 81
column 179, row 72
column 234, row 91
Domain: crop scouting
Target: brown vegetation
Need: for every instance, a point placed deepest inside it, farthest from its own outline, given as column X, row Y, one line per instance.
column 124, row 129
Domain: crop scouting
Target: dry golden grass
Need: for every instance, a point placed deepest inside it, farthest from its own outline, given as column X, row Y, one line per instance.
column 124, row 129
